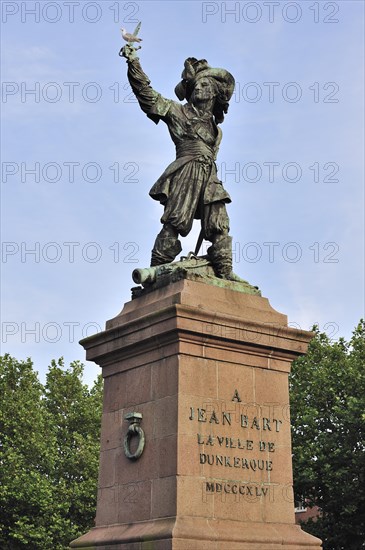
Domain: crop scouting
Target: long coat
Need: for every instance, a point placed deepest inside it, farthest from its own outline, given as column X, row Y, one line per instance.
column 189, row 187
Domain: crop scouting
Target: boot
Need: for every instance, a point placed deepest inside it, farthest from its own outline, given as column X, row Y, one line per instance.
column 220, row 254
column 167, row 246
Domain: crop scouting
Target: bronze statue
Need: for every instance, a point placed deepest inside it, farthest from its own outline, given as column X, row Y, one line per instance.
column 189, row 187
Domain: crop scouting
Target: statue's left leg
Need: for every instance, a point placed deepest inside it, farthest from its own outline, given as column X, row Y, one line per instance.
column 216, row 227
column 220, row 254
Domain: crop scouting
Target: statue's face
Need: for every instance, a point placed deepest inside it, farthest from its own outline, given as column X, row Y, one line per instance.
column 204, row 90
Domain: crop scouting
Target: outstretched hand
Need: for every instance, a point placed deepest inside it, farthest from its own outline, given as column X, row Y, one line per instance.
column 129, row 52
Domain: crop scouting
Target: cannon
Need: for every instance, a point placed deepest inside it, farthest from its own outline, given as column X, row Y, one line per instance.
column 149, row 275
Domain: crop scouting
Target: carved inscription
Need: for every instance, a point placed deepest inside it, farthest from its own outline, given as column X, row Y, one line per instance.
column 236, row 488
column 225, row 418
column 251, row 453
column 236, row 462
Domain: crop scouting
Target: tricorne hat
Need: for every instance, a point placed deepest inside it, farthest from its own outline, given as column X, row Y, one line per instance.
column 195, row 69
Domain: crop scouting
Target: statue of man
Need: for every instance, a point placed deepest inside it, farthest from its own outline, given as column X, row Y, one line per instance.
column 189, row 187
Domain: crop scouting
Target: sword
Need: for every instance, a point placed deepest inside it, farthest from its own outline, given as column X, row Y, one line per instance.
column 199, row 242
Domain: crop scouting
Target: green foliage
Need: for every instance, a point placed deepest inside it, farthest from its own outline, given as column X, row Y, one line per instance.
column 328, row 429
column 49, row 455
column 49, row 442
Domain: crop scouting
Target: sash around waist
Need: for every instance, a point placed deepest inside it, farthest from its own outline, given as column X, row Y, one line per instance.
column 186, row 152
column 193, row 148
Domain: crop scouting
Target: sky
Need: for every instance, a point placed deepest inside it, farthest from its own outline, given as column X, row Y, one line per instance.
column 79, row 157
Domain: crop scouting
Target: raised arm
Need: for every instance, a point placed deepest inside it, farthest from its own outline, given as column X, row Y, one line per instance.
column 151, row 102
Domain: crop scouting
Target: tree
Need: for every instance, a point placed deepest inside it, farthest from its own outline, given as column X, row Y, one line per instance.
column 49, row 441
column 76, row 414
column 328, row 430
column 27, row 442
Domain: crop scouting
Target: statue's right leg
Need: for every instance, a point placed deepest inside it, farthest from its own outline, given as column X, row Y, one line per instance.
column 167, row 246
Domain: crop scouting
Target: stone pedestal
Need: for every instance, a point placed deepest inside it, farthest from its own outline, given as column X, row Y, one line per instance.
column 207, row 368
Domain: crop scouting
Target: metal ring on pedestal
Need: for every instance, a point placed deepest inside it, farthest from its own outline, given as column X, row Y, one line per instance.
column 134, row 429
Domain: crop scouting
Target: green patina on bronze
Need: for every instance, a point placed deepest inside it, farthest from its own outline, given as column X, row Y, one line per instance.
column 194, row 268
column 189, row 188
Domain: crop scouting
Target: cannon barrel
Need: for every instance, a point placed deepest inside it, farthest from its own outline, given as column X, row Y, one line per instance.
column 149, row 275
column 143, row 276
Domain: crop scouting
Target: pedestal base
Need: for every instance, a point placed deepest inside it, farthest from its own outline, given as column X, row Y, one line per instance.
column 207, row 369
column 197, row 534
